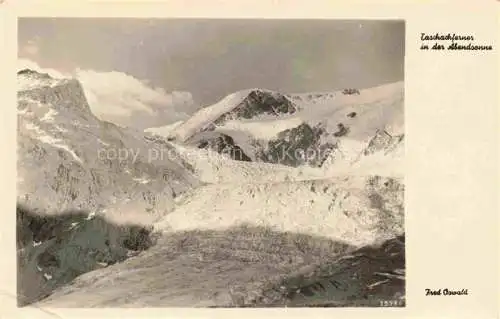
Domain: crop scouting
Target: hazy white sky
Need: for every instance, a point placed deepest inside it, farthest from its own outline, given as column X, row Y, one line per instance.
column 212, row 58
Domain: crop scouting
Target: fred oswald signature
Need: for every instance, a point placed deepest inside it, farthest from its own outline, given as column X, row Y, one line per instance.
column 446, row 292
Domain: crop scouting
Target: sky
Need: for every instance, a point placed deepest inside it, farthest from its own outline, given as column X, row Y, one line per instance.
column 189, row 63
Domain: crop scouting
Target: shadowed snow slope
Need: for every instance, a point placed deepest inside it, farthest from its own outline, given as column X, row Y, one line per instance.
column 243, row 266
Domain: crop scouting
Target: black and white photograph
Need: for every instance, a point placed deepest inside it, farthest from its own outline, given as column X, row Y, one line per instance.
column 210, row 163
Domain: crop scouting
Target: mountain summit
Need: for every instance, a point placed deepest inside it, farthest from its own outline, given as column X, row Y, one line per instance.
column 295, row 129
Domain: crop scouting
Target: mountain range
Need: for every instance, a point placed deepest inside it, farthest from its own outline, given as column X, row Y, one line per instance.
column 262, row 199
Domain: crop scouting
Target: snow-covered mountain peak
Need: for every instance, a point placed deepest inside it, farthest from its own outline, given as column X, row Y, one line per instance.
column 59, row 93
column 274, row 127
column 242, row 105
column 30, row 79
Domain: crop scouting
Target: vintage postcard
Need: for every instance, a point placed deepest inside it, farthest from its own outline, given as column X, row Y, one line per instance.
column 296, row 159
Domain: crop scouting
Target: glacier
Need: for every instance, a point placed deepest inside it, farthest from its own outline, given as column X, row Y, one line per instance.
column 197, row 227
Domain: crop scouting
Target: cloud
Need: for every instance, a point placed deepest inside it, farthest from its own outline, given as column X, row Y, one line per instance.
column 31, row 47
column 121, row 98
column 125, row 100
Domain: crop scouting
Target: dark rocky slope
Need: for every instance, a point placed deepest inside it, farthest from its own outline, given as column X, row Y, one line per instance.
column 257, row 103
column 52, row 250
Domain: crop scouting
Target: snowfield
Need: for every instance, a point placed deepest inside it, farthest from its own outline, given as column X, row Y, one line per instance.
column 163, row 130
column 164, row 221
